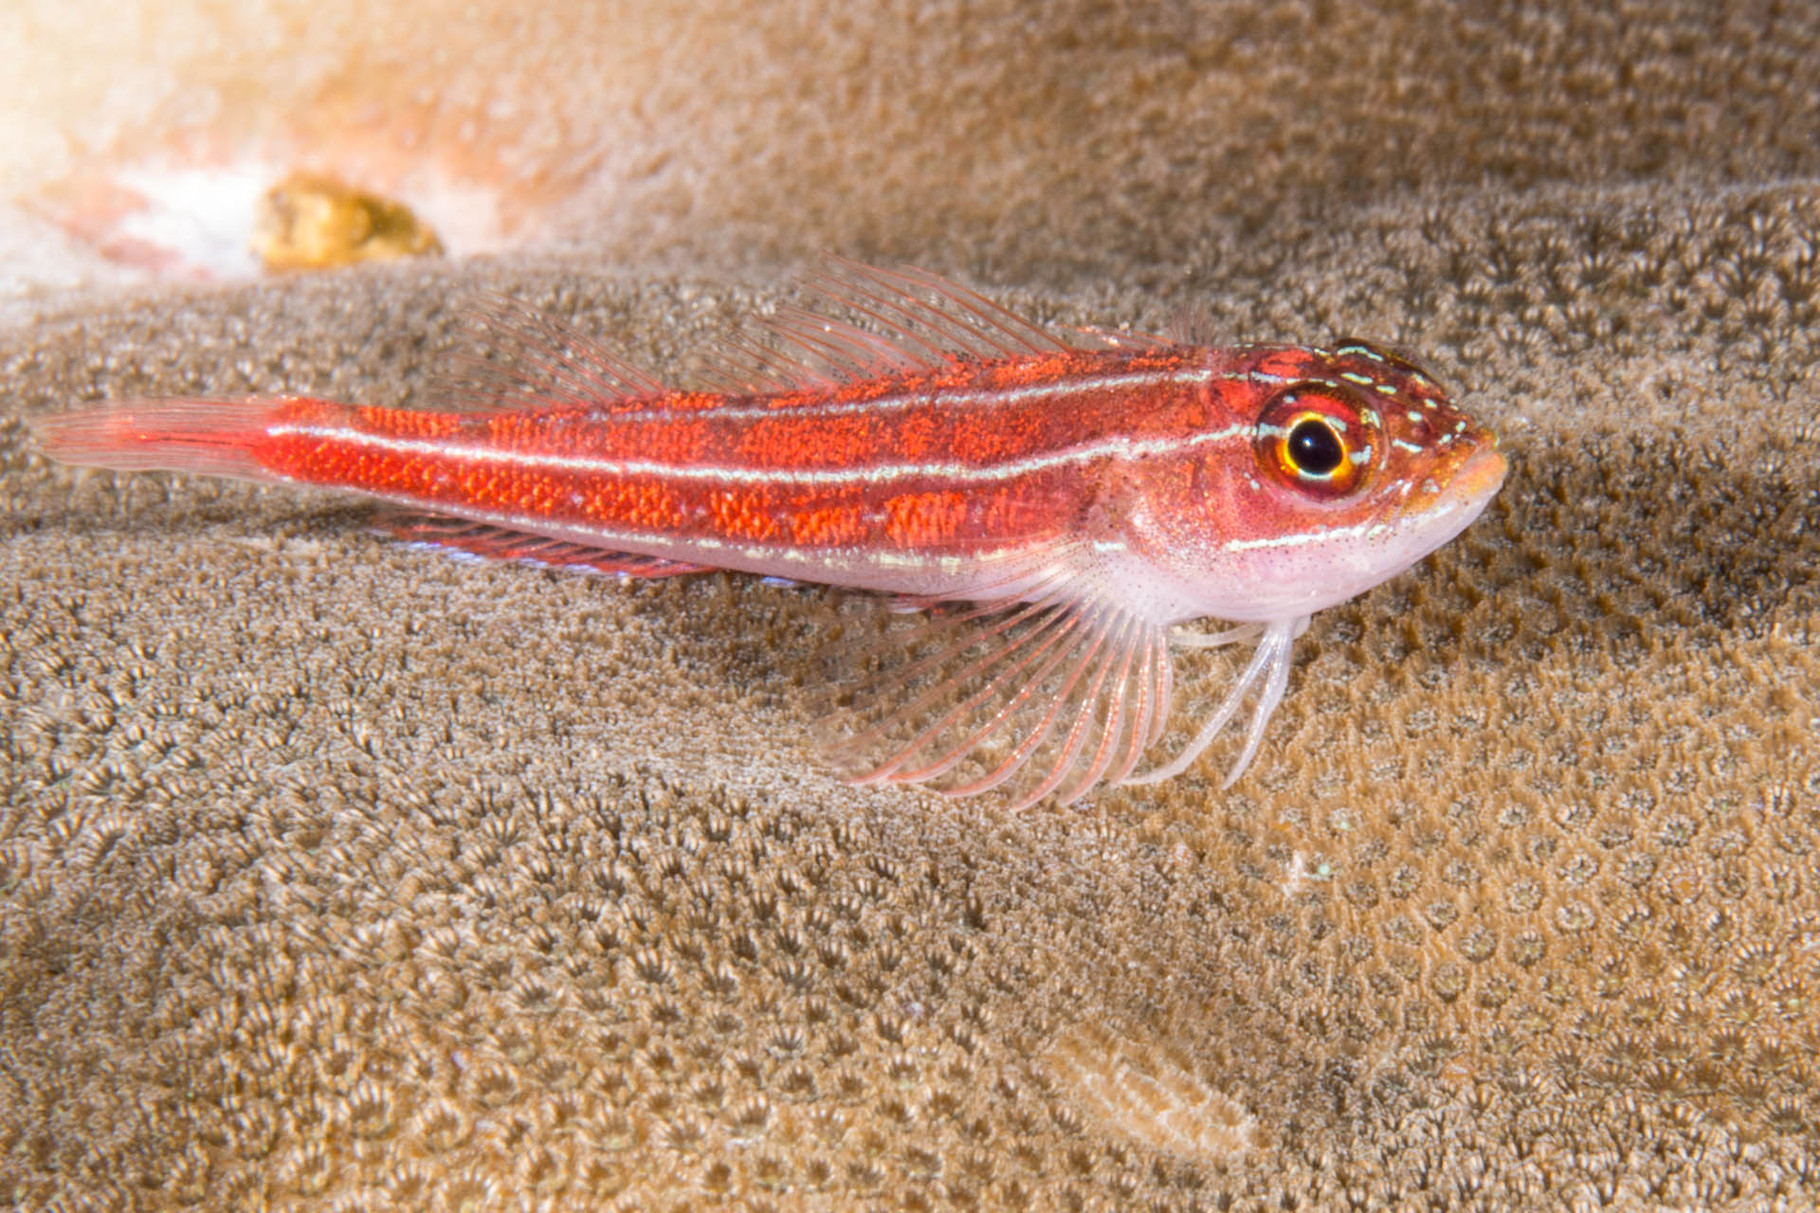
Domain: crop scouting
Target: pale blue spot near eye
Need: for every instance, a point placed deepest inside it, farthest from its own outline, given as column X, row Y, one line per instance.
column 1355, row 377
column 1414, row 416
column 1385, row 388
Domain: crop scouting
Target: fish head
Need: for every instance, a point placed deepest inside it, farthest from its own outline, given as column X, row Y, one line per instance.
column 1348, row 465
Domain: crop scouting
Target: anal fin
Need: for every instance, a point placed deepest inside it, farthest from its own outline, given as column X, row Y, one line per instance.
column 487, row 541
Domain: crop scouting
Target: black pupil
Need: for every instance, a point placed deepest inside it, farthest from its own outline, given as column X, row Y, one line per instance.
column 1315, row 448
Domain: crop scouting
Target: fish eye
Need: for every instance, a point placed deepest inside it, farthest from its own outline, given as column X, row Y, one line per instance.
column 1313, row 448
column 1315, row 438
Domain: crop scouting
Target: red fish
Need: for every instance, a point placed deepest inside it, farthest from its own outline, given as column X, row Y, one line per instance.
column 1086, row 492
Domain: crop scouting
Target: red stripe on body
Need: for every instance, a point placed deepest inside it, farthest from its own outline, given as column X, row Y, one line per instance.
column 793, row 432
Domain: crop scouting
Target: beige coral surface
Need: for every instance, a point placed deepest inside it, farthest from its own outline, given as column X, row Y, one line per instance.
column 336, row 874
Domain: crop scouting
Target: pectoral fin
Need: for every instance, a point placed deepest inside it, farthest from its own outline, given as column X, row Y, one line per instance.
column 1048, row 697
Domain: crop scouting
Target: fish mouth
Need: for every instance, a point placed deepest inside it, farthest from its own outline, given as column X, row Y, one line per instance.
column 1476, row 480
column 1461, row 498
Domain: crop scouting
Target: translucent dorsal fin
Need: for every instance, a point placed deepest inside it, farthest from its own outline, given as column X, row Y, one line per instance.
column 916, row 307
column 808, row 351
column 527, row 359
column 919, row 322
column 742, row 364
column 1091, row 337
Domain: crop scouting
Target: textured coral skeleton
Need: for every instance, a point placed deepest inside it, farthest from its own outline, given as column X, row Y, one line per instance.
column 309, row 907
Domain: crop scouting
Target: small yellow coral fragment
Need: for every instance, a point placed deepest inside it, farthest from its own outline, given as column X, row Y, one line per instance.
column 312, row 222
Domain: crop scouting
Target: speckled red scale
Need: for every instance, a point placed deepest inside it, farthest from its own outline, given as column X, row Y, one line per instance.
column 426, row 458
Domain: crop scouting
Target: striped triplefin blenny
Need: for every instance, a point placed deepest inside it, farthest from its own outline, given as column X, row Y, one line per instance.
column 1055, row 501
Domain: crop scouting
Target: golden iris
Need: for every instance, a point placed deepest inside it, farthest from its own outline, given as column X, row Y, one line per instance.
column 1316, row 439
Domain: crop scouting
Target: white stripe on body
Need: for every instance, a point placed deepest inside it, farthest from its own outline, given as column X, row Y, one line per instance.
column 951, row 396
column 818, row 478
column 1088, row 452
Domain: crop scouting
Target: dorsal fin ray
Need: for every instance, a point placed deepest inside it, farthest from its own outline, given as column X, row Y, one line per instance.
column 823, row 345
column 903, row 321
column 919, row 323
column 1002, row 327
column 742, row 364
column 922, row 323
column 965, row 322
column 866, row 352
column 528, row 359
column 807, row 352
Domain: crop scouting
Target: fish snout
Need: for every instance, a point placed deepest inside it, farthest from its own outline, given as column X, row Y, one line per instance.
column 1478, row 476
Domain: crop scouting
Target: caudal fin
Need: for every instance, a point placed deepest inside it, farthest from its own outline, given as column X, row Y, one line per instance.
column 210, row 437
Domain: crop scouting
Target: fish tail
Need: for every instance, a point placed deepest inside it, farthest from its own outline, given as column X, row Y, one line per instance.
column 210, row 437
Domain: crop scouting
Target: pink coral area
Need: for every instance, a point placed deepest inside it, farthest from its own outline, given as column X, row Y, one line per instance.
column 151, row 132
